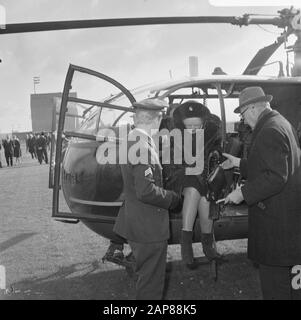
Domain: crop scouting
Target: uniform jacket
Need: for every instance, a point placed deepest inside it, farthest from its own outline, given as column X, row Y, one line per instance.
column 273, row 192
column 144, row 217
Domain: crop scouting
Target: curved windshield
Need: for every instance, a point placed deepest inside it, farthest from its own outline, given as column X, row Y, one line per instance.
column 112, row 117
column 90, row 125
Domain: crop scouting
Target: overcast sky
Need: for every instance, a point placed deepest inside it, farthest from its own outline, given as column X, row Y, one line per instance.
column 132, row 55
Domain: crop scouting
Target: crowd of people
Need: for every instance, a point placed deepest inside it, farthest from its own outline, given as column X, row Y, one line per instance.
column 37, row 144
column 12, row 149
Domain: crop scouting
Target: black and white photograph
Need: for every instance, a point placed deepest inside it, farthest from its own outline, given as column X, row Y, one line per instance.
column 149, row 151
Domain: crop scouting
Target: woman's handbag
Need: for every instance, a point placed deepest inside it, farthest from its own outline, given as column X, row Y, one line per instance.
column 216, row 182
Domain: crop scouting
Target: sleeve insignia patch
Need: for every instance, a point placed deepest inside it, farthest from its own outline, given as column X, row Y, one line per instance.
column 147, row 172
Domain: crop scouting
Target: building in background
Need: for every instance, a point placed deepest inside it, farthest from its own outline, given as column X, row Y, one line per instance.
column 45, row 108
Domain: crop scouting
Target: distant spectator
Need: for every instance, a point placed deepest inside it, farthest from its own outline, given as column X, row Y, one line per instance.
column 41, row 145
column 48, row 138
column 17, row 149
column 31, row 144
column 27, row 140
column 0, row 156
column 8, row 146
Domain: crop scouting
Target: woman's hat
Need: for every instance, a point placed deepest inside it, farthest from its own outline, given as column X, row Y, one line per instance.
column 190, row 109
column 252, row 95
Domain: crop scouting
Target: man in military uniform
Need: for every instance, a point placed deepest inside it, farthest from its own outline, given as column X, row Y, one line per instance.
column 144, row 220
column 272, row 192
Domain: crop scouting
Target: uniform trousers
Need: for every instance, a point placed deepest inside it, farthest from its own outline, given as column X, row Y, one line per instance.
column 150, row 267
column 276, row 283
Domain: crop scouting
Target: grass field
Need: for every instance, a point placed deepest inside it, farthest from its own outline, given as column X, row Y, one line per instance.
column 46, row 259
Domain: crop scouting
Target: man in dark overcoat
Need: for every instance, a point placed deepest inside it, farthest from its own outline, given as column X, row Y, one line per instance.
column 8, row 146
column 41, row 146
column 273, row 193
column 144, row 219
column 31, row 144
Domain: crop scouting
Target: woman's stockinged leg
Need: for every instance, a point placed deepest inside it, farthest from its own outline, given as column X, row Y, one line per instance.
column 207, row 236
column 189, row 212
column 203, row 211
column 190, row 208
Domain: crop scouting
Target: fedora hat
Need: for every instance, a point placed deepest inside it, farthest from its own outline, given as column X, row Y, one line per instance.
column 252, row 95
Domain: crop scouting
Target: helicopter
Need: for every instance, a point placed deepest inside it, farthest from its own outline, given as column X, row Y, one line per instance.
column 94, row 192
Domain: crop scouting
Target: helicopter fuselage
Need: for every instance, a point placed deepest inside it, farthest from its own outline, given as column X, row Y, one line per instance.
column 94, row 192
column 91, row 188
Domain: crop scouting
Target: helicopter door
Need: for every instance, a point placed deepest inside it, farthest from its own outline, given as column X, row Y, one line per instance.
column 62, row 137
column 71, row 124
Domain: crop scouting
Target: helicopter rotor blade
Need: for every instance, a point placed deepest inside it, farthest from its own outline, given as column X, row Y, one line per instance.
column 263, row 55
column 261, row 58
column 101, row 23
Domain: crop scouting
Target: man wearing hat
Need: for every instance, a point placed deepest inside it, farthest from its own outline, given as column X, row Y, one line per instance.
column 41, row 145
column 273, row 193
column 144, row 218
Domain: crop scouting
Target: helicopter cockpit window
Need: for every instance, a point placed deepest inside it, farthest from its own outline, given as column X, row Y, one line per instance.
column 231, row 117
column 207, row 98
column 113, row 117
column 101, row 100
column 90, row 125
column 93, row 88
column 207, row 95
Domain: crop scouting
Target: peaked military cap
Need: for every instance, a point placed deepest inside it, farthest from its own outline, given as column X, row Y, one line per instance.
column 151, row 104
column 191, row 109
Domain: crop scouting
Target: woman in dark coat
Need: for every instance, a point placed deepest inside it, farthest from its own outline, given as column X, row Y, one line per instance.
column 192, row 115
column 17, row 149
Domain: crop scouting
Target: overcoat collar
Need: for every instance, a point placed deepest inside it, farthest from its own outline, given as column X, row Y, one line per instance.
column 263, row 118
